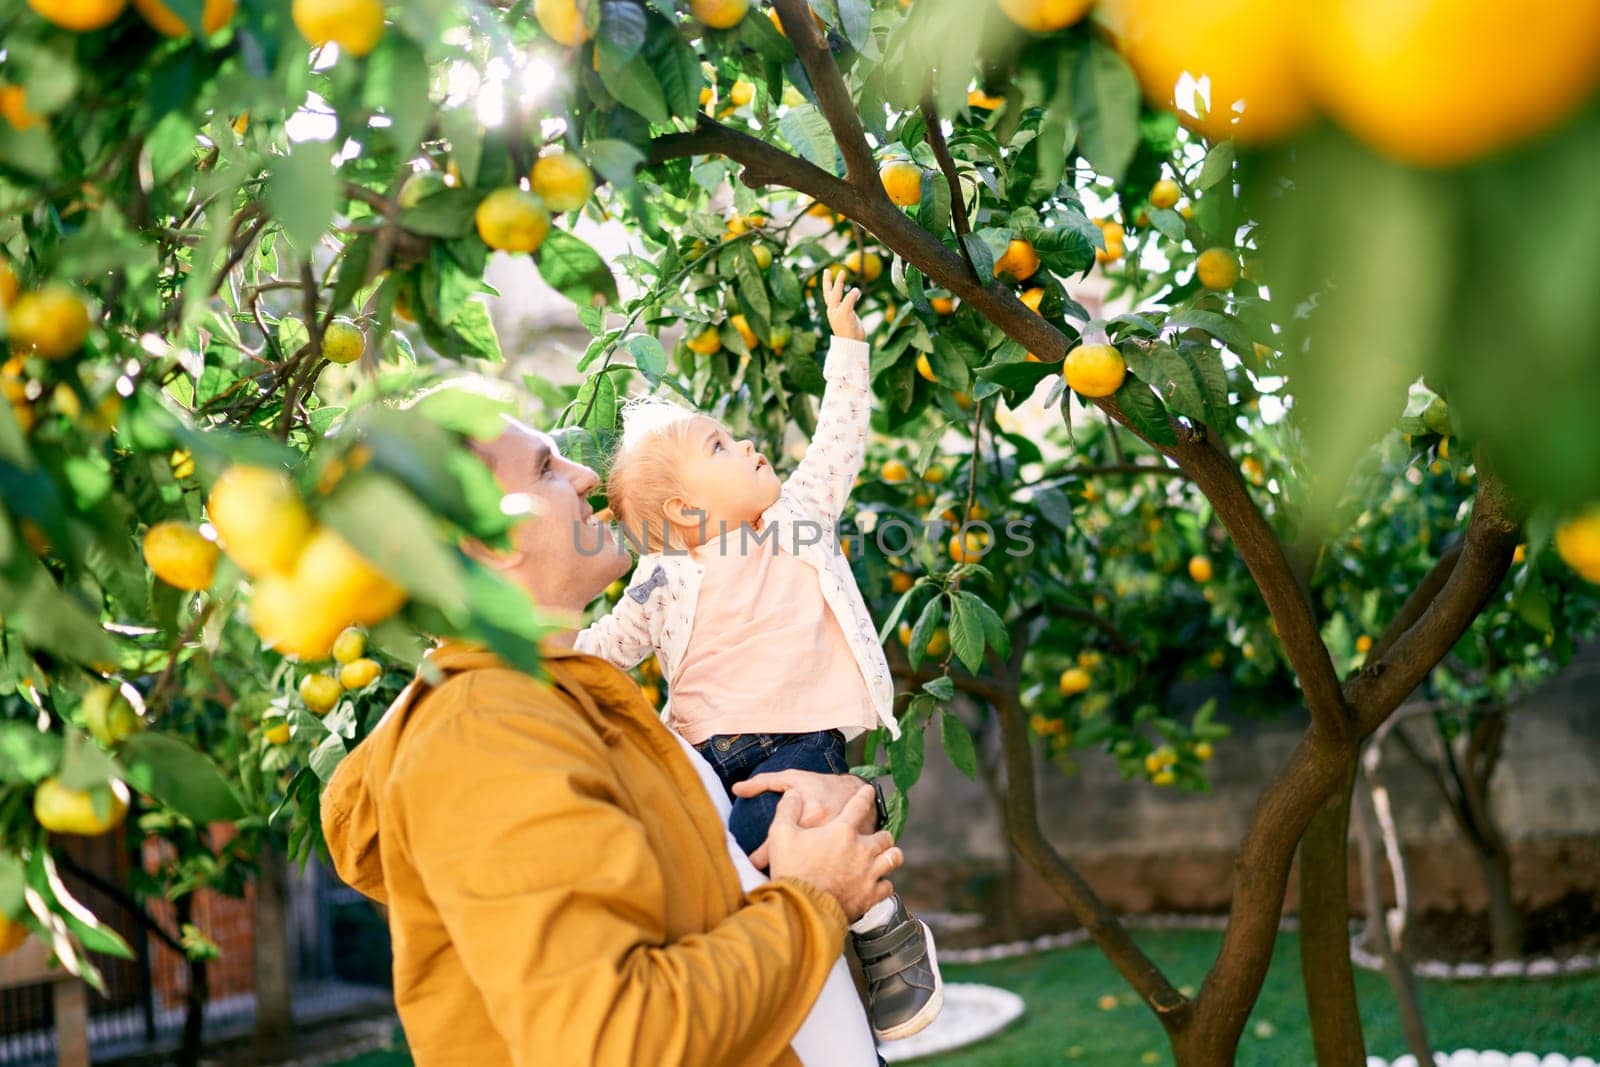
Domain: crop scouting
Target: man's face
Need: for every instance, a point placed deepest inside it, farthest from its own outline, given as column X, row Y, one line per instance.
column 560, row 554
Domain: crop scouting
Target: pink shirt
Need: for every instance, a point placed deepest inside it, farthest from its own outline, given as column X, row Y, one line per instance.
column 766, row 654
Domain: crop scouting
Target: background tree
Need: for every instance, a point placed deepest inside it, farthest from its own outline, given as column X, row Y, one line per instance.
column 232, row 228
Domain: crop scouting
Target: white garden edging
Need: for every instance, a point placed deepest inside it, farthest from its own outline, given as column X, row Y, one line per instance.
column 1467, row 1057
column 1539, row 967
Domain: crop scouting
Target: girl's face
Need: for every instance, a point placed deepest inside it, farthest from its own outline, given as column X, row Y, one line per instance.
column 727, row 482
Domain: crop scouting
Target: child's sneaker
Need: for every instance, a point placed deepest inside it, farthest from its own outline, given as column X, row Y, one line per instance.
column 904, row 990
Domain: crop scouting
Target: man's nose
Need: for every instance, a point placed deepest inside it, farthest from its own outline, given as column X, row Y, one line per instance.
column 584, row 481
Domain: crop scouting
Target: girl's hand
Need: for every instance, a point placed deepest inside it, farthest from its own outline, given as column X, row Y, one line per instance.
column 842, row 306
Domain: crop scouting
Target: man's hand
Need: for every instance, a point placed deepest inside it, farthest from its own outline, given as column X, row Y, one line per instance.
column 822, row 797
column 842, row 306
column 836, row 857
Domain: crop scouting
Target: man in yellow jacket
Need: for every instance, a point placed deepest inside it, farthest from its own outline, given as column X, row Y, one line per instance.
column 558, row 884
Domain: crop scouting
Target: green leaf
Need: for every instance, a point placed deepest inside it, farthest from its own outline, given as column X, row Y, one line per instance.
column 907, row 753
column 1218, row 165
column 927, row 623
column 447, row 213
column 957, row 740
column 648, row 355
column 615, row 161
column 1105, row 104
column 94, row 935
column 161, row 766
column 633, row 84
column 327, row 756
column 809, row 134
column 398, row 535
column 302, row 193
column 678, row 68
column 352, row 270
column 966, row 632
column 474, row 329
column 595, row 406
column 576, row 270
column 1171, row 376
column 1206, row 363
column 1217, row 325
column 1169, row 222
column 397, row 83
column 27, row 754
column 1145, row 411
column 940, row 688
column 995, row 633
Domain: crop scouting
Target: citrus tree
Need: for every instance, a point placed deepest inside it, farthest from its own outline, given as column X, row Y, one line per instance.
column 232, row 232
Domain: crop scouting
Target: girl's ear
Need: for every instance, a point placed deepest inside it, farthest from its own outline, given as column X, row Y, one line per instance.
column 683, row 514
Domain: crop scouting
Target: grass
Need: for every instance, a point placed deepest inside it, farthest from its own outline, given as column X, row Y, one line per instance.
column 1065, row 1022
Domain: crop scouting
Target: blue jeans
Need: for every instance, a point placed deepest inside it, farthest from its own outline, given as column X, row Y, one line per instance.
column 736, row 757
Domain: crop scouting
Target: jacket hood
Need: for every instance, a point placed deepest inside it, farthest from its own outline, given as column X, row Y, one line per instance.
column 350, row 815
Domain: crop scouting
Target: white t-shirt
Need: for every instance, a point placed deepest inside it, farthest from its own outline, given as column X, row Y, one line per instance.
column 836, row 1033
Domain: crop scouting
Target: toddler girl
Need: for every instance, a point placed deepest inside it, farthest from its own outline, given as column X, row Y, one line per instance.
column 768, row 651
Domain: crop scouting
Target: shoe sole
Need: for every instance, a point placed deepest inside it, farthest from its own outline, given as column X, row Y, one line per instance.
column 930, row 1011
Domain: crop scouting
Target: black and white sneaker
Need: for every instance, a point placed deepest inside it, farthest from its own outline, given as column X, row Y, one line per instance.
column 904, row 990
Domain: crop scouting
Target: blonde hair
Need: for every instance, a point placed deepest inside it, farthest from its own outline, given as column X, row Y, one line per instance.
column 645, row 469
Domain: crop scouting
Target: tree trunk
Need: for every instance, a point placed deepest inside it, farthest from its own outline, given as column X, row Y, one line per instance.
column 1325, row 933
column 194, row 1001
column 274, row 1006
column 1507, row 934
column 1396, row 968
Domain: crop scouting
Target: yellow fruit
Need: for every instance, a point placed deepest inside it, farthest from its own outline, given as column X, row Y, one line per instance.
column 704, row 343
column 14, row 109
column 358, row 674
column 894, row 471
column 1578, row 543
column 1519, row 554
column 1217, row 268
column 1200, row 568
column 925, row 368
column 934, row 474
column 742, row 324
column 343, row 341
column 1244, row 49
column 12, row 935
column 64, row 810
column 1203, row 751
column 1112, row 230
column 50, row 322
column 719, row 14
column 1152, row 763
column 1253, row 469
column 1186, row 210
column 1018, row 262
column 81, row 16
column 903, row 631
column 1163, row 778
column 970, row 548
column 512, row 220
column 354, row 25
column 320, row 692
column 562, row 20
column 349, row 590
column 1364, row 644
column 8, row 282
column 778, row 337
column 421, row 185
column 900, row 581
column 1088, row 659
column 289, row 621
column 902, row 180
column 1073, row 681
column 741, row 93
column 763, row 256
column 1113, row 251
column 1033, row 298
column 259, row 518
column 1045, row 16
column 651, row 694
column 939, row 642
column 1406, row 77
column 562, row 181
column 161, row 17
column 707, row 95
column 963, row 400
column 276, row 731
column 109, row 717
column 869, row 267
column 350, row 645
column 178, row 555
column 1094, row 370
column 943, row 305
column 1164, row 193
column 979, row 98
column 819, row 210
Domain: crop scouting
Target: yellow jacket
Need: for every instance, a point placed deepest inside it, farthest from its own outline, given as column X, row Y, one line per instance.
column 558, row 884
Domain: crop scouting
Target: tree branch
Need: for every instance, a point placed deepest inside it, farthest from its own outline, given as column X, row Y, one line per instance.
column 1128, row 468
column 833, row 95
column 1485, row 556
column 947, row 164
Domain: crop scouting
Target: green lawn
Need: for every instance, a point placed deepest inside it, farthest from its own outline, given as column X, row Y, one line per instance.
column 1065, row 1022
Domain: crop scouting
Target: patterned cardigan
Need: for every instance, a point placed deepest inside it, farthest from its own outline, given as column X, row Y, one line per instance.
column 657, row 611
